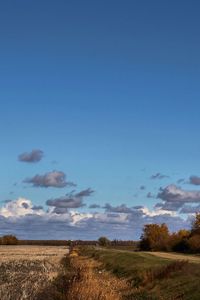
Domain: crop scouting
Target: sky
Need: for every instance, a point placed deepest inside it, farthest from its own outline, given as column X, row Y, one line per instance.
column 99, row 117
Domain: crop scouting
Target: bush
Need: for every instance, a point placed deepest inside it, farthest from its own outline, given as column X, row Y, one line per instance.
column 8, row 240
column 179, row 241
column 194, row 243
column 103, row 241
column 196, row 225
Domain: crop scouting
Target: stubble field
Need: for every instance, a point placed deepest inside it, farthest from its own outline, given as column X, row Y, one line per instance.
column 28, row 272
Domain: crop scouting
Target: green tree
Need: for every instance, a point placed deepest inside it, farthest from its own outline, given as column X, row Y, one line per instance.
column 104, row 241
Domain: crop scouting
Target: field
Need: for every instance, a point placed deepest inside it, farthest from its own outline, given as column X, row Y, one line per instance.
column 30, row 272
column 47, row 272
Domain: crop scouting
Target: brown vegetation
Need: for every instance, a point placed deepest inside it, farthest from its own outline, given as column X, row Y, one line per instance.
column 92, row 282
column 8, row 240
column 27, row 271
column 157, row 238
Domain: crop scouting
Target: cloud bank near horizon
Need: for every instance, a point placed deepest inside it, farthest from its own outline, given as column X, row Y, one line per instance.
column 70, row 217
column 27, row 221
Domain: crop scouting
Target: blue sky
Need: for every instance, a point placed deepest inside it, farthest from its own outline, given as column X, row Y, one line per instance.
column 109, row 91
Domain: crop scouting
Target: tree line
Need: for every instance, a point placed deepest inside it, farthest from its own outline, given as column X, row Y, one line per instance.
column 158, row 238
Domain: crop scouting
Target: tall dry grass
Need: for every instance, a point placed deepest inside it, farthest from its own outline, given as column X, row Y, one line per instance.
column 93, row 283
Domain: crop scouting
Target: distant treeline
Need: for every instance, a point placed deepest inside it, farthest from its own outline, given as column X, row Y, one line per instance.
column 43, row 242
column 74, row 242
column 12, row 240
column 55, row 242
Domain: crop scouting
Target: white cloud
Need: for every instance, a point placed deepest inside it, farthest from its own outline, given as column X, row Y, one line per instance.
column 22, row 218
column 156, row 212
column 19, row 207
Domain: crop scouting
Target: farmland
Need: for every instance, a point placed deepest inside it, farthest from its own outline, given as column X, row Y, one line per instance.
column 28, row 272
column 47, row 272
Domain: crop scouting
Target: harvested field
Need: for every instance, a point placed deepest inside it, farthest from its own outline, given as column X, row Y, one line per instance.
column 27, row 272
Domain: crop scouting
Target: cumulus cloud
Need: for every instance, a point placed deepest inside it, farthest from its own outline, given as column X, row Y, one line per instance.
column 63, row 210
column 188, row 209
column 20, row 217
column 158, row 176
column 169, row 206
column 157, row 211
column 17, row 208
column 138, row 207
column 37, row 207
column 195, row 180
column 70, row 200
column 118, row 209
column 172, row 193
column 85, row 193
column 31, row 157
column 52, row 179
column 174, row 199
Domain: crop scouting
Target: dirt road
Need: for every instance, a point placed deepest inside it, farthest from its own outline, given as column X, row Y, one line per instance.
column 176, row 256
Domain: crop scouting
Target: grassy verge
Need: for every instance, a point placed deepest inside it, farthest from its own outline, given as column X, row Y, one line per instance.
column 150, row 277
column 124, row 248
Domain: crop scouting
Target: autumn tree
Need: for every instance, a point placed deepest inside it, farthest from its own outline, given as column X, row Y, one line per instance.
column 9, row 240
column 155, row 237
column 178, row 241
column 196, row 225
column 194, row 243
column 194, row 239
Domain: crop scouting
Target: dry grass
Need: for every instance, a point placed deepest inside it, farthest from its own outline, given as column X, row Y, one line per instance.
column 26, row 271
column 93, row 283
column 40, row 272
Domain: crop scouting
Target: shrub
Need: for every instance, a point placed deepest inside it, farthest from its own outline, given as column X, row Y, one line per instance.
column 104, row 241
column 178, row 241
column 194, row 243
column 9, row 240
